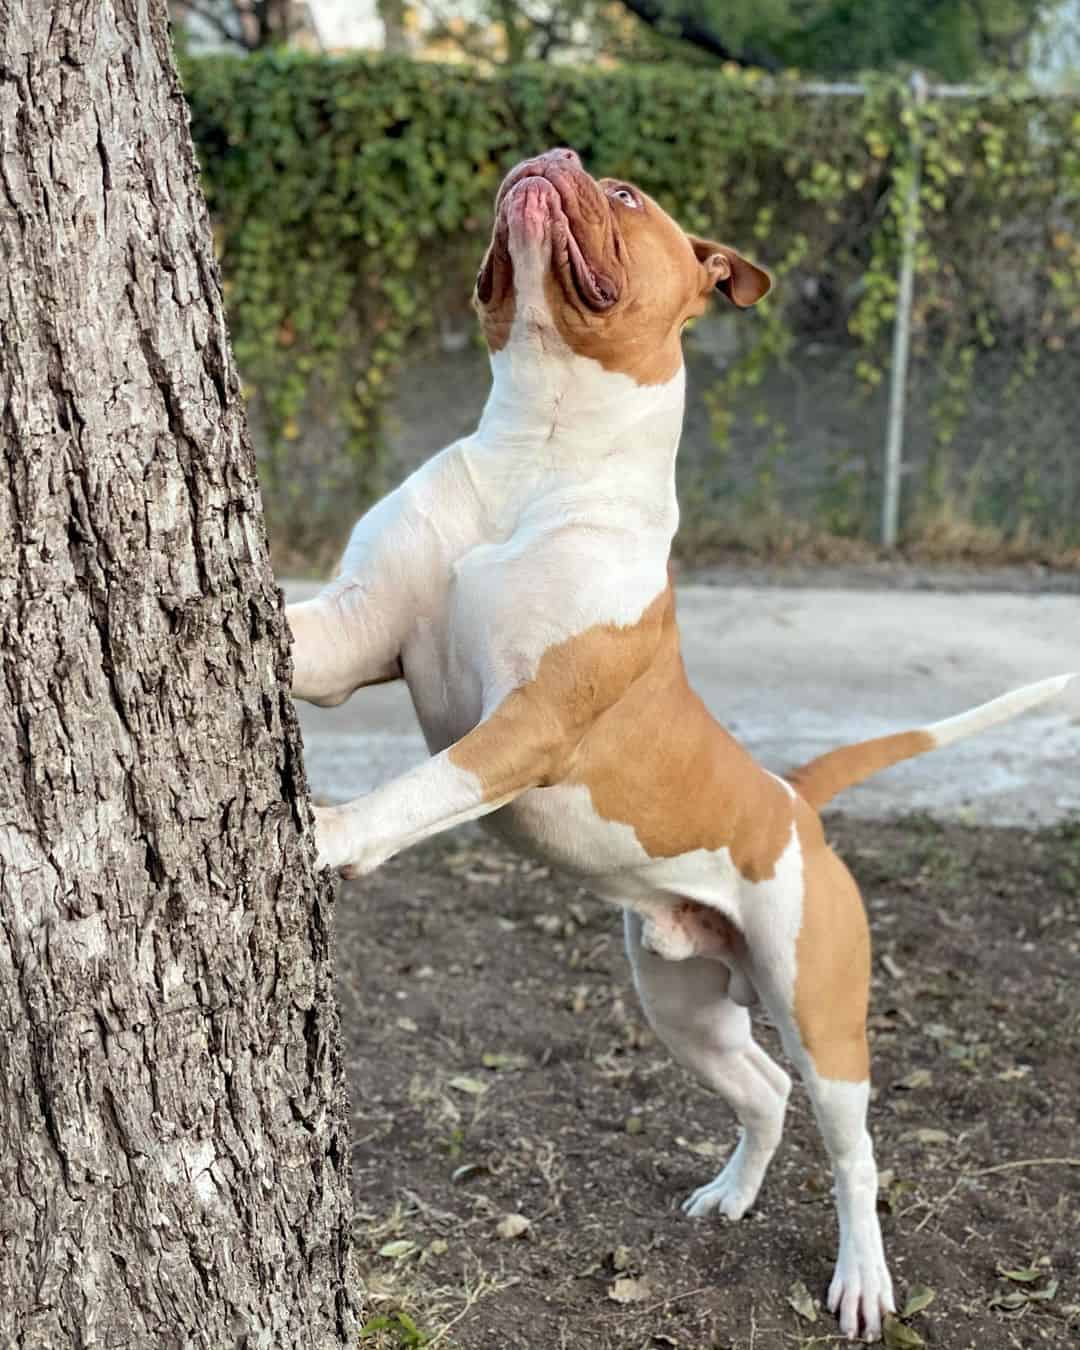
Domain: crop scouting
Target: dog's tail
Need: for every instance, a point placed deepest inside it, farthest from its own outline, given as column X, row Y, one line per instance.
column 820, row 780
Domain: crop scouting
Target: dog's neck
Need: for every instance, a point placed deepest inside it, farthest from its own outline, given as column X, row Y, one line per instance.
column 557, row 418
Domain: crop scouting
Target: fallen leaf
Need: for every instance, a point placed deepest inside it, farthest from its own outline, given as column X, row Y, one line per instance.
column 1021, row 1275
column 919, row 1298
column 1016, row 1298
column 621, row 1259
column 704, row 1148
column 891, row 967
column 467, row 1170
column 892, row 1195
column 513, row 1226
column 919, row 1078
column 800, row 1298
column 399, row 1249
column 473, row 1086
column 896, row 1336
column 508, row 1063
column 439, row 1247
column 1043, row 1295
column 927, row 1136
column 627, row 1290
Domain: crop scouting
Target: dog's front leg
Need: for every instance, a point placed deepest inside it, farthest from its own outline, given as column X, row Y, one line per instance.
column 511, row 751
column 395, row 566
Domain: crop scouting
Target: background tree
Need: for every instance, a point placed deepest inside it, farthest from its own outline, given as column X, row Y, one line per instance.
column 250, row 25
column 173, row 1157
column 954, row 39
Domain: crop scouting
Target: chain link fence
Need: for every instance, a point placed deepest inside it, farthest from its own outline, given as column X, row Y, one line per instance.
column 966, row 441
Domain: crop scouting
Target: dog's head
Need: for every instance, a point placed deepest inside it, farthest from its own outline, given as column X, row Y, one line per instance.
column 602, row 265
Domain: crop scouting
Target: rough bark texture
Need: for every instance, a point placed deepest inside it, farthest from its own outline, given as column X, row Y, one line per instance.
column 173, row 1157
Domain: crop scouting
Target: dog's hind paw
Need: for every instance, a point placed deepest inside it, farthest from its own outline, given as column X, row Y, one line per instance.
column 860, row 1295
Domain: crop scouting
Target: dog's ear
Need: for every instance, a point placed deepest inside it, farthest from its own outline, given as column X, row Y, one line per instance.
column 743, row 282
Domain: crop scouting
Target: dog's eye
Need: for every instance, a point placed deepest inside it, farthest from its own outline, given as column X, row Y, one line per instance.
column 625, row 196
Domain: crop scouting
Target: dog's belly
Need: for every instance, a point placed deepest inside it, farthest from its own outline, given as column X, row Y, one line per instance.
column 560, row 825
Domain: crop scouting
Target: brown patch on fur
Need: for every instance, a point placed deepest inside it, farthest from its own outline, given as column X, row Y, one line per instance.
column 612, row 709
column 832, row 953
column 660, row 762
column 532, row 737
column 821, row 779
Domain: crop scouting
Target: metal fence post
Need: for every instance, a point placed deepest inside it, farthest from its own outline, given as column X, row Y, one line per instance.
column 894, row 433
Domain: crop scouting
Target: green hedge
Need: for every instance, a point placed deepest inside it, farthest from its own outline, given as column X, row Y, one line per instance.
column 352, row 196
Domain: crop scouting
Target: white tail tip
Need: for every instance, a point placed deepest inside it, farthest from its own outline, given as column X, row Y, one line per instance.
column 997, row 710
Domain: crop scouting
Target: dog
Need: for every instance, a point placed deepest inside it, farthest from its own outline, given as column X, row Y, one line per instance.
column 519, row 583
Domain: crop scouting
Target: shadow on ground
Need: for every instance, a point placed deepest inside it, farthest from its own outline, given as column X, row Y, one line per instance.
column 499, row 1065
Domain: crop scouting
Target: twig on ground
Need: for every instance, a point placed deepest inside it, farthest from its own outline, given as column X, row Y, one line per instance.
column 486, row 1284
column 1025, row 1162
column 936, row 1210
column 429, row 1211
column 664, row 1302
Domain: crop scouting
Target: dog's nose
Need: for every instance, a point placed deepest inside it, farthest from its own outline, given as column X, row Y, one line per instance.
column 539, row 166
column 561, row 156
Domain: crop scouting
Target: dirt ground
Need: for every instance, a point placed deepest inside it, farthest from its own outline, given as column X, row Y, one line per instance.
column 499, row 1066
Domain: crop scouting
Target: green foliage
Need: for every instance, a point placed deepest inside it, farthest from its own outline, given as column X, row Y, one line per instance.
column 402, row 1331
column 953, row 39
column 352, row 202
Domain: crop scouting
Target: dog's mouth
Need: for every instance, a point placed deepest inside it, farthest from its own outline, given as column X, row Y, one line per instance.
column 594, row 289
column 575, row 259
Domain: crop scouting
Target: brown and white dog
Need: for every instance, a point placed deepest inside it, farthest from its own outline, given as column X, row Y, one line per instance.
column 518, row 582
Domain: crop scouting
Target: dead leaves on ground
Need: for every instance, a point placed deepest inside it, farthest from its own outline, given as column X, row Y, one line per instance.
column 1020, row 1292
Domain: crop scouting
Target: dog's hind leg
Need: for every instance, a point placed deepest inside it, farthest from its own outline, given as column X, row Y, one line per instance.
column 821, row 1018
column 687, row 1005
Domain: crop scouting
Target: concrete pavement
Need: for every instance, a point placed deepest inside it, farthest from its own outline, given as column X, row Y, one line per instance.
column 793, row 672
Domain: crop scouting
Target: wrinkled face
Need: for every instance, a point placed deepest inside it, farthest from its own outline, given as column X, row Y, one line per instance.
column 599, row 262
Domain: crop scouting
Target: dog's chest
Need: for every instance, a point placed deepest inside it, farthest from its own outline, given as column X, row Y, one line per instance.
column 507, row 603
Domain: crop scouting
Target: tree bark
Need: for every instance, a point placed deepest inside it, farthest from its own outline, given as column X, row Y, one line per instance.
column 173, row 1151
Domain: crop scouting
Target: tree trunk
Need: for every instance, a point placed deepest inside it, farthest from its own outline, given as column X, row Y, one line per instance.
column 396, row 38
column 173, row 1152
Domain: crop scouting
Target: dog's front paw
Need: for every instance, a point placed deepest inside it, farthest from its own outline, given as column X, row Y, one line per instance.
column 337, row 844
column 331, row 837
column 737, row 1186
